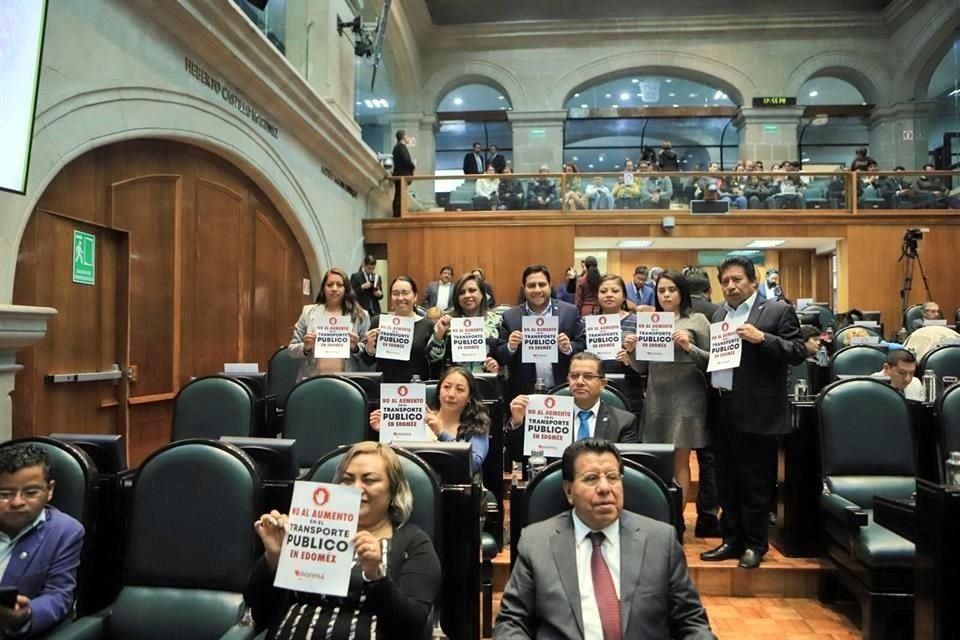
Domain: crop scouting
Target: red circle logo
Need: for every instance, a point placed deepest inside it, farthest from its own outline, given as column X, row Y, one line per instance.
column 540, row 322
column 320, row 496
column 333, row 320
column 402, row 391
column 396, row 320
column 655, row 317
column 602, row 321
column 467, row 323
column 725, row 326
column 549, row 403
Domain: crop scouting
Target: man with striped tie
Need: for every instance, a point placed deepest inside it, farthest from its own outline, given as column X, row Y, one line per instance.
column 598, row 572
column 593, row 418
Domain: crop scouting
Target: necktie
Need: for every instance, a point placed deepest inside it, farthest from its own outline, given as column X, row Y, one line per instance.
column 584, row 430
column 603, row 590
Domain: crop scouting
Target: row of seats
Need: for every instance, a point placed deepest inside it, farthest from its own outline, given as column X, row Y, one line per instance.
column 865, row 360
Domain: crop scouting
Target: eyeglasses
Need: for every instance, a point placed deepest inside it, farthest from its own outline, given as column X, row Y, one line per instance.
column 586, row 377
column 593, row 479
column 29, row 493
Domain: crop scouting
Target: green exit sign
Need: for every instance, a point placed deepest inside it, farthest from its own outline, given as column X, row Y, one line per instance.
column 538, row 133
column 771, row 128
column 84, row 258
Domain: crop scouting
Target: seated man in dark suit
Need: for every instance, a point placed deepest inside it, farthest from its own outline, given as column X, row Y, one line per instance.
column 598, row 571
column 594, row 418
column 39, row 545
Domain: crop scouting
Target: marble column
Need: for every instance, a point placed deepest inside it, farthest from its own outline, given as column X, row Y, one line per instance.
column 537, row 140
column 20, row 327
column 899, row 135
column 769, row 134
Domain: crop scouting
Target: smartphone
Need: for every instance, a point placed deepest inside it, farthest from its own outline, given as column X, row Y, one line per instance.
column 8, row 597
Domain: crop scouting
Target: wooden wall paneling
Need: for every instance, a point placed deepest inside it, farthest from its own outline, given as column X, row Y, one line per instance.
column 796, row 273
column 822, row 277
column 272, row 316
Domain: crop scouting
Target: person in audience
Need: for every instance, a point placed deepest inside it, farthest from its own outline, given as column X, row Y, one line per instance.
column 811, row 339
column 655, row 191
column 756, row 191
column 335, row 298
column 653, row 274
column 509, row 350
column 542, row 192
column 573, row 195
column 496, row 159
column 639, row 293
column 675, row 406
column 511, row 194
column 585, row 297
column 751, row 403
column 426, row 349
column 930, row 311
column 470, row 302
column 487, row 191
column 628, row 573
column 440, row 293
column 668, row 158
column 611, row 300
column 474, row 162
column 627, row 190
column 487, row 289
column 41, row 545
column 402, row 166
column 770, row 288
column 593, row 417
column 567, row 290
column 901, row 367
column 396, row 574
column 598, row 194
column 368, row 286
column 861, row 160
column 648, row 155
column 931, row 191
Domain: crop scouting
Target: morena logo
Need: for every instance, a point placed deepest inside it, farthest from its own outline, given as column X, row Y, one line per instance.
column 655, row 317
column 320, row 496
column 725, row 326
column 550, row 403
column 402, row 391
column 332, row 320
column 540, row 322
column 396, row 320
column 602, row 321
column 467, row 323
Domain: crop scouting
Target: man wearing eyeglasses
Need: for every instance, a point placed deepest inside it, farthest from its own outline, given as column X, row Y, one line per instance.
column 39, row 545
column 597, row 571
column 592, row 418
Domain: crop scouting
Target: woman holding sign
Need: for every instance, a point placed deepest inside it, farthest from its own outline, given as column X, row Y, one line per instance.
column 395, row 575
column 612, row 300
column 335, row 299
column 675, row 408
column 402, row 344
column 469, row 301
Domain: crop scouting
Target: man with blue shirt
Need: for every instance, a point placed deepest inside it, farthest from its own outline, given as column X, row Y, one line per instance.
column 751, row 410
column 638, row 291
column 39, row 545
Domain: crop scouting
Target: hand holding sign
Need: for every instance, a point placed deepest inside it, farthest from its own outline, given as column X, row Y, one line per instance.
column 726, row 346
column 750, row 333
column 540, row 339
column 682, row 338
column 368, row 554
column 271, row 528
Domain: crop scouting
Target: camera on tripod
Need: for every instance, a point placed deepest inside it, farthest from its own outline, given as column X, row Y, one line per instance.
column 911, row 240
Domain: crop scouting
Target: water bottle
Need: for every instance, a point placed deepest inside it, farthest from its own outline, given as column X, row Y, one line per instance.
column 801, row 390
column 929, row 385
column 953, row 470
column 540, row 386
column 823, row 360
column 415, row 379
column 537, row 463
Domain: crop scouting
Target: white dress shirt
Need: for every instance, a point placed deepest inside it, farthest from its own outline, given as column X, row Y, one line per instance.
column 592, row 630
column 914, row 390
column 443, row 295
column 723, row 379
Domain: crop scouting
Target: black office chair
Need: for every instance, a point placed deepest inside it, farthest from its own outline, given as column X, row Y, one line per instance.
column 913, row 313
column 858, row 360
column 838, row 336
column 282, row 372
column 323, row 413
column 211, row 407
column 610, row 395
column 943, row 360
column 949, row 411
column 823, row 313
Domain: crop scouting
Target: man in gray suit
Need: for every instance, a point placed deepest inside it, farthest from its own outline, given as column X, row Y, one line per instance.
column 597, row 572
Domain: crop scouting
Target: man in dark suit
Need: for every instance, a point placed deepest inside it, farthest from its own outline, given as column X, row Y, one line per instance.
column 509, row 350
column 402, row 166
column 563, row 585
column 440, row 292
column 496, row 159
column 751, row 410
column 474, row 162
column 593, row 418
column 42, row 545
column 368, row 286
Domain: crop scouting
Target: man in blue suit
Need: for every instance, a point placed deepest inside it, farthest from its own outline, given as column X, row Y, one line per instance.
column 39, row 545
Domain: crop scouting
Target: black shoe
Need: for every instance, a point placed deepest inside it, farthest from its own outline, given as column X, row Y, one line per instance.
column 750, row 559
column 725, row 551
column 708, row 526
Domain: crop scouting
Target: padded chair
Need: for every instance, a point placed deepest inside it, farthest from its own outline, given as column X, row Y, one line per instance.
column 282, row 372
column 610, row 394
column 213, row 406
column 949, row 412
column 944, row 360
column 857, row 360
column 823, row 312
column 866, row 450
column 188, row 552
column 912, row 313
column 838, row 336
column 323, row 413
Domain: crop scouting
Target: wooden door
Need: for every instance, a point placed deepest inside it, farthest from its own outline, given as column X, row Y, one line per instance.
column 86, row 336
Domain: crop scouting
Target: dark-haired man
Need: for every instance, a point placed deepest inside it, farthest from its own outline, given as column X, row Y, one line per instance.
column 901, row 367
column 598, row 571
column 496, row 159
column 368, row 286
column 751, row 410
column 39, row 545
column 639, row 292
column 440, row 292
column 474, row 162
column 402, row 166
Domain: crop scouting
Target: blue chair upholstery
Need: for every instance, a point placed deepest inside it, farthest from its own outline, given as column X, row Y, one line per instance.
column 323, row 413
column 858, row 360
column 944, row 360
column 610, row 395
column 211, row 407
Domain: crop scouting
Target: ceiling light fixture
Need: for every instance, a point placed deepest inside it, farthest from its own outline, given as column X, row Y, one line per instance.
column 765, row 244
column 634, row 244
column 458, row 101
column 584, row 106
column 624, row 96
column 369, row 103
column 814, row 93
column 608, row 95
column 635, row 81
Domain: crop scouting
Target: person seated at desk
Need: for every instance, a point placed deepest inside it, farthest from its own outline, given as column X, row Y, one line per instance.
column 901, row 368
column 593, row 418
column 40, row 545
column 395, row 576
column 542, row 192
column 598, row 571
column 930, row 311
column 811, row 340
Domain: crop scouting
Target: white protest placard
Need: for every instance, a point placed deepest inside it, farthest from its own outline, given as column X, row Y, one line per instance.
column 317, row 551
column 725, row 346
column 548, row 424
column 402, row 409
column 540, row 339
column 655, row 336
column 395, row 338
column 333, row 337
column 467, row 340
column 604, row 338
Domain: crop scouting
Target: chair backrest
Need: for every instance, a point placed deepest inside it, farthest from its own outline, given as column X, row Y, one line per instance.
column 323, row 413
column 865, row 440
column 857, row 360
column 838, row 336
column 950, row 420
column 914, row 312
column 211, row 407
column 944, row 360
column 643, row 493
column 282, row 372
column 825, row 314
column 190, row 543
column 424, row 485
column 610, row 395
